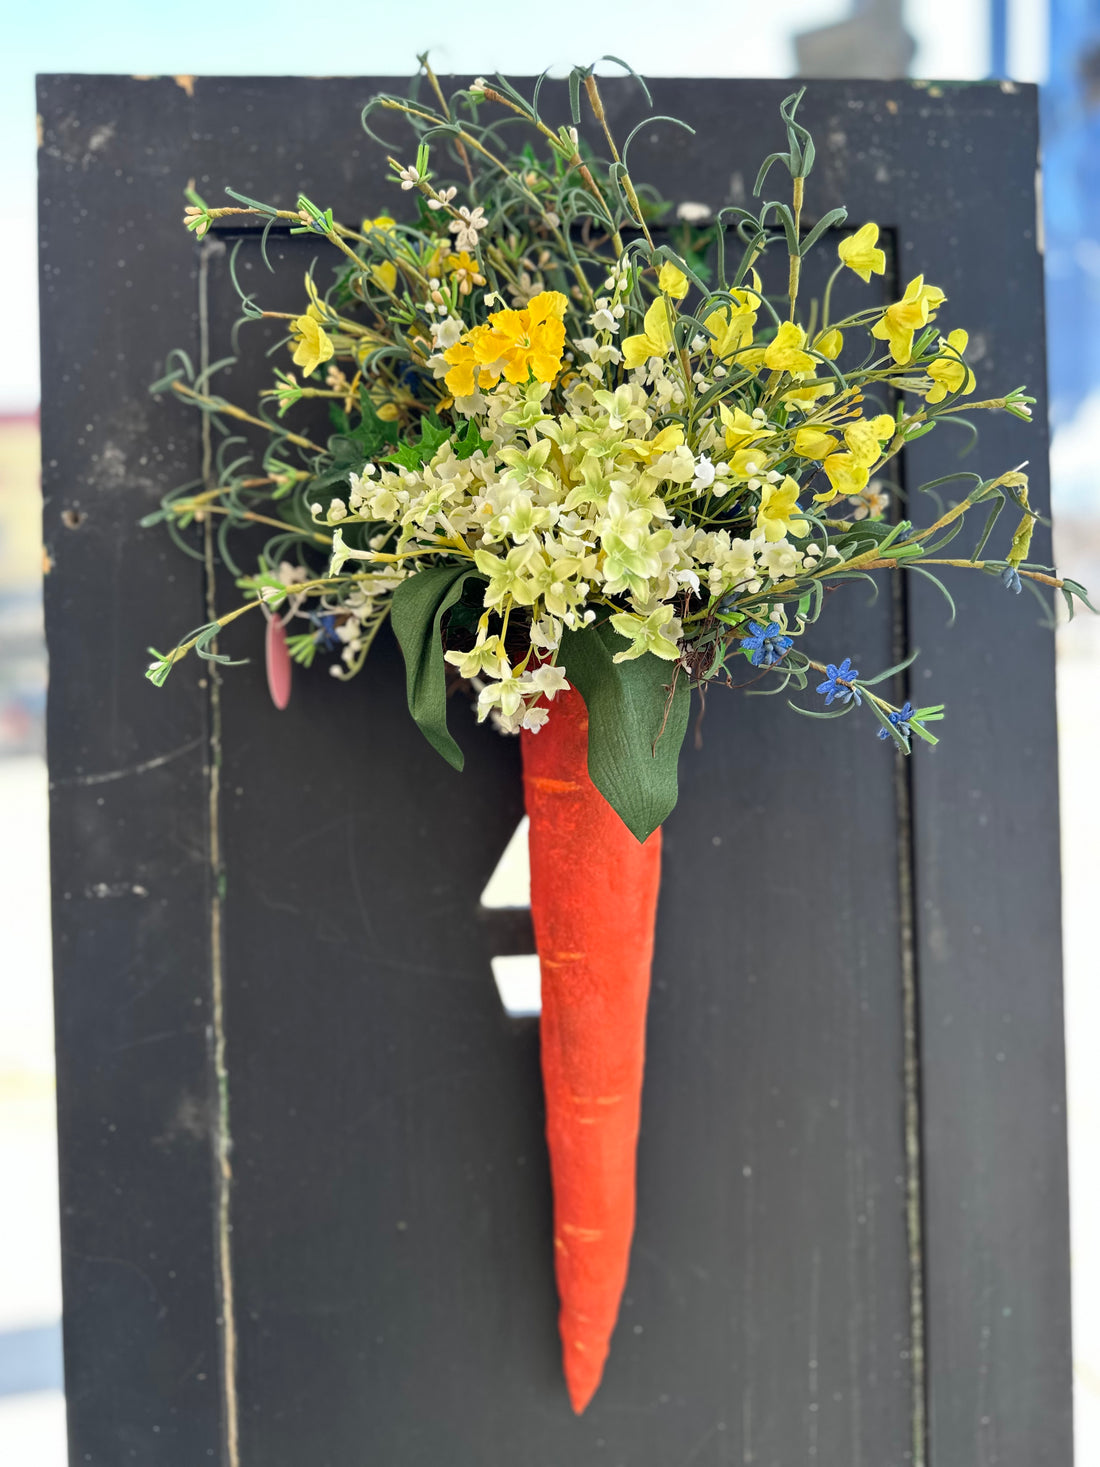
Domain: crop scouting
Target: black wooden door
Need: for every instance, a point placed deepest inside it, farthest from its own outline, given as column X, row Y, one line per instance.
column 305, row 1195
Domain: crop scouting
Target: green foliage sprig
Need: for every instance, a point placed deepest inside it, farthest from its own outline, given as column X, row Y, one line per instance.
column 568, row 449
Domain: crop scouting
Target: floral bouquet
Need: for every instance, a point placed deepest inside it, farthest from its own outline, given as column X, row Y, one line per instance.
column 584, row 472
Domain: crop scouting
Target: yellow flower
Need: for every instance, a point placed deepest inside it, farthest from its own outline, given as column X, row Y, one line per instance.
column 731, row 329
column 466, row 371
column 830, row 344
column 517, row 343
column 948, row 374
column 465, row 270
column 785, row 353
column 748, row 463
column 753, row 359
column 385, row 275
column 741, row 429
column 647, row 449
column 859, row 252
column 531, row 340
column 864, row 439
column 813, row 442
column 384, row 224
column 808, row 393
column 656, row 337
column 312, row 345
column 672, row 281
column 845, row 476
column 432, row 264
column 900, row 321
column 778, row 513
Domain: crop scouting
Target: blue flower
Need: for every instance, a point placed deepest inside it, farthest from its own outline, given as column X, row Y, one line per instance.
column 766, row 645
column 1010, row 579
column 900, row 718
column 833, row 687
column 325, row 636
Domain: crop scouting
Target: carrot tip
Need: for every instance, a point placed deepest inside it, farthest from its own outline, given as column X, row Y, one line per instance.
column 583, row 1374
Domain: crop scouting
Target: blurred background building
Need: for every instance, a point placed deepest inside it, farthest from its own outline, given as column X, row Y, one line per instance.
column 1053, row 42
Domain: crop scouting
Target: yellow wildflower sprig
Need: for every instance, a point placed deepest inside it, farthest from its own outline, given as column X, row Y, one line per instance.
column 642, row 450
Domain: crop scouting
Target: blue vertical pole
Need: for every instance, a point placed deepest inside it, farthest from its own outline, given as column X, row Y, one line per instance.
column 998, row 38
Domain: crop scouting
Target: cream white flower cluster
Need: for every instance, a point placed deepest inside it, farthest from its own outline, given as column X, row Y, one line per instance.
column 592, row 504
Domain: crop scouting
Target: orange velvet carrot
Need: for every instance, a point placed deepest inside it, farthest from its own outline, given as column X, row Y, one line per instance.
column 594, row 903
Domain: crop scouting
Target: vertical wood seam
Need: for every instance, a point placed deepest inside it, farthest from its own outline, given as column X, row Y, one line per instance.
column 914, row 1161
column 221, row 1133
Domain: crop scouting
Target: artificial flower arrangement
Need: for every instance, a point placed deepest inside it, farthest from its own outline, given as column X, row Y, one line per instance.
column 585, row 471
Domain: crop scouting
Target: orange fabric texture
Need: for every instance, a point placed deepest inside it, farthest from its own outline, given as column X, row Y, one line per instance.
column 594, row 906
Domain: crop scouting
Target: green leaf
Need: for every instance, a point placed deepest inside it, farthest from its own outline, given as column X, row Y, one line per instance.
column 467, row 443
column 816, row 713
column 633, row 748
column 419, row 606
column 409, row 455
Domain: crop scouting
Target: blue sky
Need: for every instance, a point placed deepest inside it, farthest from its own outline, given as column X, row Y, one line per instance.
column 378, row 37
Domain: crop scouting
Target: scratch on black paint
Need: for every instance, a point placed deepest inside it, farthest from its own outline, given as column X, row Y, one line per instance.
column 914, row 1204
column 222, row 1136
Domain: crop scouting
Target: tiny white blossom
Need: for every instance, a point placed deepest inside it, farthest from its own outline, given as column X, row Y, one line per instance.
column 704, row 474
column 466, row 226
column 693, row 213
column 506, row 723
column 780, row 560
column 337, row 510
column 534, row 719
column 443, row 198
column 409, row 177
column 548, row 680
column 445, row 333
column 545, row 634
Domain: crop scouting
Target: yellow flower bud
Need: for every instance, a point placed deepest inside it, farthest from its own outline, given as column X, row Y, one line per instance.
column 313, row 345
column 813, row 442
column 672, row 281
column 830, row 343
column 860, row 254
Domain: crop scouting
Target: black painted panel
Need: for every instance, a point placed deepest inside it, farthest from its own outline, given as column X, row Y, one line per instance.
column 390, row 1244
column 129, row 795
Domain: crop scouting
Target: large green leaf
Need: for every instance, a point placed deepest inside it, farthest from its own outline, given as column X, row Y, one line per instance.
column 631, row 760
column 419, row 606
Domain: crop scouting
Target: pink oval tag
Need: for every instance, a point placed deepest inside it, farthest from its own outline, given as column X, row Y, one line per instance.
column 278, row 662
